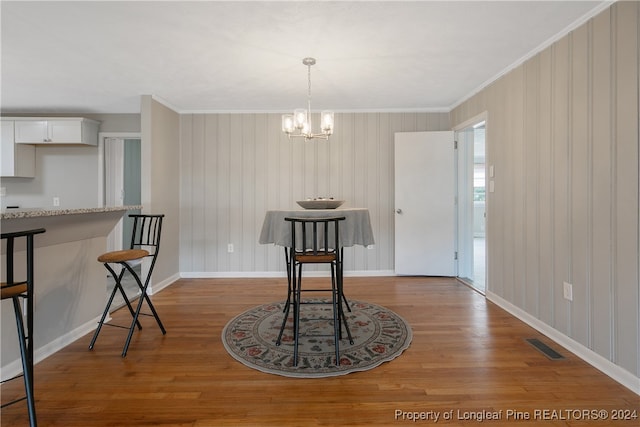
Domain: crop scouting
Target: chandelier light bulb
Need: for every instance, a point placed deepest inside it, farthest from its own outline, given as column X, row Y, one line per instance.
column 306, row 128
column 288, row 125
column 300, row 117
column 327, row 122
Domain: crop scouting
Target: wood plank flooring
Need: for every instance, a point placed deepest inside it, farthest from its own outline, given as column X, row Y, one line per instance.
column 468, row 360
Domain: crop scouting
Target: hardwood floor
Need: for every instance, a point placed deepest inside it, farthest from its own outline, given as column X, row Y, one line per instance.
column 468, row 359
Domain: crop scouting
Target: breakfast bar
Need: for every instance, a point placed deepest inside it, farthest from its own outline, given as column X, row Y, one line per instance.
column 70, row 285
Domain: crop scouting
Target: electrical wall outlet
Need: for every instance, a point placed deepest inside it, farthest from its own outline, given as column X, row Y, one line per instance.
column 230, row 247
column 568, row 291
column 56, row 201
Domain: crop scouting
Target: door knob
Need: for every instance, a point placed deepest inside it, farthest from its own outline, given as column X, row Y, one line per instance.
column 398, row 211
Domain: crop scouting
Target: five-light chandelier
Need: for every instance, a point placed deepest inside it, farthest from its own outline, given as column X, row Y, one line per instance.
column 298, row 124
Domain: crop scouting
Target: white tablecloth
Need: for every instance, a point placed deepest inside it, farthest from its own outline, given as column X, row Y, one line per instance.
column 354, row 230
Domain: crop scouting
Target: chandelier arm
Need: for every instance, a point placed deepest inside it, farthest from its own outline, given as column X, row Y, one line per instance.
column 318, row 136
column 308, row 136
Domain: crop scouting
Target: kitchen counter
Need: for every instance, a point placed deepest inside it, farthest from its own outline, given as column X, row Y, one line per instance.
column 70, row 284
column 64, row 225
column 39, row 212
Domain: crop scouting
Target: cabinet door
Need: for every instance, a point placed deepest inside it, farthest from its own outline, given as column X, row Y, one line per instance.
column 31, row 131
column 18, row 160
column 65, row 131
column 6, row 149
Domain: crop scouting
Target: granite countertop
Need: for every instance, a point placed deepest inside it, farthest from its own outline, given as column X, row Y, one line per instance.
column 38, row 212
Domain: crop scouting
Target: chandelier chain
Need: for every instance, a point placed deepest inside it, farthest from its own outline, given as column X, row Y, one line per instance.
column 309, row 90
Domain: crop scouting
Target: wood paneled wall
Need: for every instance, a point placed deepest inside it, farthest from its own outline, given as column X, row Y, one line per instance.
column 562, row 135
column 235, row 167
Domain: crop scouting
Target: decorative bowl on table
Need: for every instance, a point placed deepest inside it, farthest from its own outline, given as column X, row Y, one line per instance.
column 320, row 203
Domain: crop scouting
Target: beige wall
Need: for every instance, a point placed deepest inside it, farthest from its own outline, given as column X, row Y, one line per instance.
column 235, row 167
column 160, row 182
column 116, row 122
column 562, row 135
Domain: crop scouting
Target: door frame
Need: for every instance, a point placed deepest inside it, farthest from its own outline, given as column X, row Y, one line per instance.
column 484, row 116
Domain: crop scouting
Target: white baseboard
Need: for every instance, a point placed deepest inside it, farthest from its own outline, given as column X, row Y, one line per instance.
column 154, row 288
column 609, row 368
column 370, row 273
column 276, row 274
column 14, row 368
column 232, row 274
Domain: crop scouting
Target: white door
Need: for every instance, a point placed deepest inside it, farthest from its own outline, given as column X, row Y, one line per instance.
column 425, row 204
column 465, row 212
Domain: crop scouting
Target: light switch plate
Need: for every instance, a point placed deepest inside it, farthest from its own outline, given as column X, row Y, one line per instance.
column 567, row 291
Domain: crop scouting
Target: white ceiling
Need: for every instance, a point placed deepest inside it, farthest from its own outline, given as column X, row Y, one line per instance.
column 99, row 57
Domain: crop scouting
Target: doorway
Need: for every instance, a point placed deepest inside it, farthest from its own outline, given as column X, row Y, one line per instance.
column 471, row 182
column 122, row 187
column 122, row 166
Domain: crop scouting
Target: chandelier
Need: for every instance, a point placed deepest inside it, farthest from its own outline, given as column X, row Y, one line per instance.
column 298, row 124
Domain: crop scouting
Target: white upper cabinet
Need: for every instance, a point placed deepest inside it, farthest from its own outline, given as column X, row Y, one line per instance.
column 31, row 132
column 18, row 160
column 60, row 130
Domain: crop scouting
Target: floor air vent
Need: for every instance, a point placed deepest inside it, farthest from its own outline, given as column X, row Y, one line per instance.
column 545, row 349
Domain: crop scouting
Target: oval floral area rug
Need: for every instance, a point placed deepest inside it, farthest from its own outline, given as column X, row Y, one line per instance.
column 379, row 335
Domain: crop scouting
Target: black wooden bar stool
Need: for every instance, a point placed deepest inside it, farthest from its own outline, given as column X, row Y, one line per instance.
column 314, row 241
column 145, row 237
column 15, row 290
